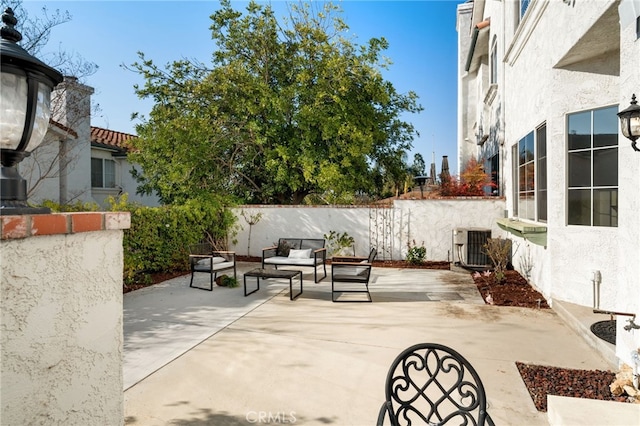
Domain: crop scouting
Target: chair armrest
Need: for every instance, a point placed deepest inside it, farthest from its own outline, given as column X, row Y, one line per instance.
column 341, row 259
column 362, row 264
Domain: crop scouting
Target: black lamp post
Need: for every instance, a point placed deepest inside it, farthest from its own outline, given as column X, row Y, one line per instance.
column 630, row 122
column 420, row 181
column 26, row 85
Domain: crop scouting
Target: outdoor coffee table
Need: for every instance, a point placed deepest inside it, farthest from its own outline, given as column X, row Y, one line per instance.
column 273, row 273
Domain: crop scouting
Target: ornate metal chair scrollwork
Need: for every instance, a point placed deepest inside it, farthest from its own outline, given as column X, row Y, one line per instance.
column 431, row 384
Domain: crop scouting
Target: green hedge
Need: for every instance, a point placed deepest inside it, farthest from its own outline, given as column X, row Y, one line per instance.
column 159, row 237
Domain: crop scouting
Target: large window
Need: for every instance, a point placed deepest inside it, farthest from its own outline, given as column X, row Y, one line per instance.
column 592, row 143
column 103, row 173
column 530, row 175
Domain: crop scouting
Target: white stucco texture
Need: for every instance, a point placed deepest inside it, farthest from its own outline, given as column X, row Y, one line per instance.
column 62, row 329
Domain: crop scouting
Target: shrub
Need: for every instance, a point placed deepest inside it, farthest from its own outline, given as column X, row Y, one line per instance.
column 78, row 206
column 336, row 242
column 416, row 255
column 159, row 237
column 499, row 251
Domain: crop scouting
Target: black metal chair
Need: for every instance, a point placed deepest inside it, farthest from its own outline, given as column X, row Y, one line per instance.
column 431, row 384
column 203, row 258
column 354, row 272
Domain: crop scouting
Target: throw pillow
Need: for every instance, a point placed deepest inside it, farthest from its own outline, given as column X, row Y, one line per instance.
column 299, row 254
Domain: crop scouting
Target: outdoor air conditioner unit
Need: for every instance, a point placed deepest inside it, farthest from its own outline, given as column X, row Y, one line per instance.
column 468, row 247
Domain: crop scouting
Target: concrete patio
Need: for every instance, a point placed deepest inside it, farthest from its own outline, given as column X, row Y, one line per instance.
column 217, row 358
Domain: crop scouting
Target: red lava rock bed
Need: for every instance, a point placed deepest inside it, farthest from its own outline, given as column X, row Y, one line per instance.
column 514, row 290
column 541, row 380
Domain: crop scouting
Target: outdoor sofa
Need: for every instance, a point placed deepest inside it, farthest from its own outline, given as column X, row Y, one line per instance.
column 298, row 252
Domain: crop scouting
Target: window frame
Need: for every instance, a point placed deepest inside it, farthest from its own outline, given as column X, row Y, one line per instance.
column 493, row 73
column 594, row 152
column 535, row 169
column 106, row 176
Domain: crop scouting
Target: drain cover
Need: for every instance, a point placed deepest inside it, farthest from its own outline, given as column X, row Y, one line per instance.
column 606, row 330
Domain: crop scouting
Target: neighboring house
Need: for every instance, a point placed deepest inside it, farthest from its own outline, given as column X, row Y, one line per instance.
column 78, row 162
column 540, row 83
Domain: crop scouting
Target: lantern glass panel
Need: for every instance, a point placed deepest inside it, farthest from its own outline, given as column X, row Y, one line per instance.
column 13, row 109
column 43, row 113
column 634, row 126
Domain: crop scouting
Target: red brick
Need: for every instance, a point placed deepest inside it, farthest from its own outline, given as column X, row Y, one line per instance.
column 14, row 227
column 86, row 222
column 49, row 224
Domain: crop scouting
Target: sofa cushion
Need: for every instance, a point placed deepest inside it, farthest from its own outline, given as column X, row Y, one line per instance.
column 299, row 254
column 210, row 261
column 279, row 260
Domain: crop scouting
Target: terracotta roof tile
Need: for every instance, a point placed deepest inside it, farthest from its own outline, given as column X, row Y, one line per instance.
column 63, row 128
column 111, row 138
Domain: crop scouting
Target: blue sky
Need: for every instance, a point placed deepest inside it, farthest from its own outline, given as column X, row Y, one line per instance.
column 421, row 33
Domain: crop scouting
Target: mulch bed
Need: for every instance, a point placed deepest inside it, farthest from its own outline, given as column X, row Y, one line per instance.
column 542, row 381
column 514, row 290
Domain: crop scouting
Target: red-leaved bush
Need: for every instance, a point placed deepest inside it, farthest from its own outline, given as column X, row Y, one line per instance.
column 472, row 182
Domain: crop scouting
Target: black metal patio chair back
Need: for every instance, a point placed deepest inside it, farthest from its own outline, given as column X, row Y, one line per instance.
column 432, row 384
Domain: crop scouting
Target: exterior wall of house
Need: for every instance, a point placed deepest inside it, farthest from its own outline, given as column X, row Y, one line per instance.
column 466, row 96
column 71, row 107
column 533, row 83
column 60, row 168
column 562, row 58
column 389, row 229
column 129, row 185
column 628, row 295
column 61, row 319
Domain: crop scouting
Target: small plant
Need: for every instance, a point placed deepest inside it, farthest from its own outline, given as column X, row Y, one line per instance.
column 499, row 251
column 338, row 242
column 416, row 254
column 251, row 220
column 227, row 281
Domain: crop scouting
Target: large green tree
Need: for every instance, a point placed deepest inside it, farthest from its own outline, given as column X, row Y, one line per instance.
column 287, row 109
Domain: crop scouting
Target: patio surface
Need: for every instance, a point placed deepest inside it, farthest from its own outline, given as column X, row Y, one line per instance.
column 194, row 357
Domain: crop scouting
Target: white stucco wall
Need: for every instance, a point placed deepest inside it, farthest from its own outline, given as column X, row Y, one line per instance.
column 563, row 58
column 533, row 84
column 389, row 229
column 628, row 296
column 61, row 323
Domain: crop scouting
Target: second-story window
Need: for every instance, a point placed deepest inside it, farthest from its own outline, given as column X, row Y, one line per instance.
column 494, row 60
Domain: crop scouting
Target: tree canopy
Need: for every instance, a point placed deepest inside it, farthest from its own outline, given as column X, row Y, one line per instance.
column 287, row 109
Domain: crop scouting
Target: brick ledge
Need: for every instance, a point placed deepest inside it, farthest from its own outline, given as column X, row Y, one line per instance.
column 25, row 226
